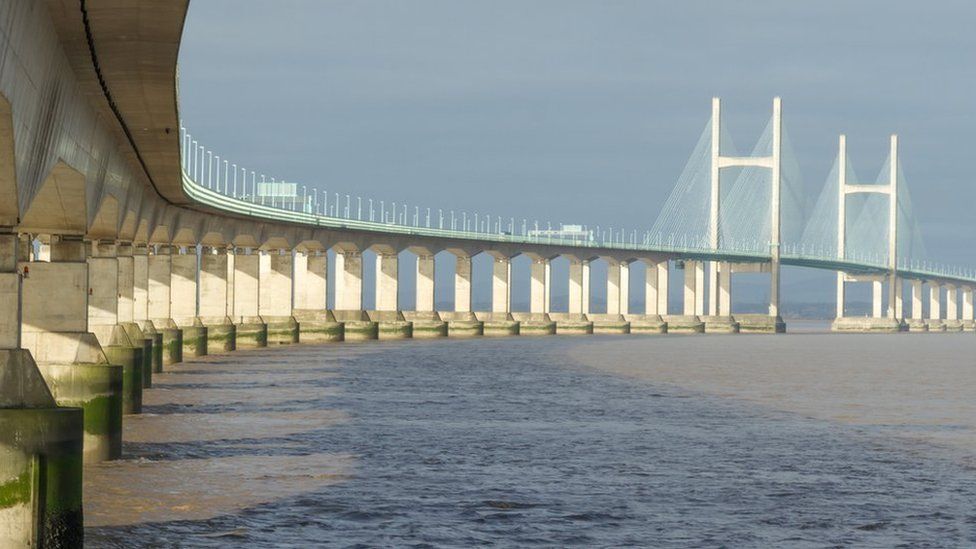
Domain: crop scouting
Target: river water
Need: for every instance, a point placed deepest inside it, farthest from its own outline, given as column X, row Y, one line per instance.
column 806, row 440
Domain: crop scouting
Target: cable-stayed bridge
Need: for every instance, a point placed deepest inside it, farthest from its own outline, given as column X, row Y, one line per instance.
column 728, row 212
column 126, row 246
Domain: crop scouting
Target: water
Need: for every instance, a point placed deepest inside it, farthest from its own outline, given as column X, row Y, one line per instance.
column 521, row 442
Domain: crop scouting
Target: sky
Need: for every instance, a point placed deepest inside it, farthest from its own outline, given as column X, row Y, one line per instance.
column 581, row 111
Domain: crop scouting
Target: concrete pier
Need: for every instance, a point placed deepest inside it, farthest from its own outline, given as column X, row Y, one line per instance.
column 462, row 324
column 357, row 326
column 426, row 324
column 534, row 324
column 275, row 300
column 216, row 300
column 572, row 323
column 251, row 330
column 160, row 269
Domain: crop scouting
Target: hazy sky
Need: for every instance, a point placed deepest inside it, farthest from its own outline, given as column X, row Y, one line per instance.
column 581, row 111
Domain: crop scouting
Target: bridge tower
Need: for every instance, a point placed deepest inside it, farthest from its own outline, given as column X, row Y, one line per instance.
column 891, row 189
column 722, row 307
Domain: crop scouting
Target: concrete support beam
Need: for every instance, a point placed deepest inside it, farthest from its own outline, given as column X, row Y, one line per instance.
column 247, row 273
column 214, row 275
column 539, row 285
column 841, row 292
column 386, row 281
column 10, row 292
column 899, row 298
column 160, row 267
column 577, row 296
column 724, row 289
column 126, row 282
column 103, row 290
column 935, row 301
column 425, row 283
column 967, row 303
column 650, row 289
column 349, row 281
column 462, row 284
column 877, row 293
column 586, row 288
column 311, row 271
column 952, row 302
column 140, row 283
column 275, row 284
column 183, row 286
column 617, row 280
column 694, row 303
column 917, row 311
column 501, row 285
column 663, row 276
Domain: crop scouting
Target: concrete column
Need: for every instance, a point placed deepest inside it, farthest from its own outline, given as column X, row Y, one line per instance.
column 725, row 289
column 713, row 288
column 246, row 288
column 310, row 280
column 841, row 290
column 462, row 284
column 425, row 283
column 274, row 283
column 935, row 303
column 967, row 303
column 548, row 287
column 10, row 292
column 917, row 313
column 501, row 285
column 663, row 276
column 699, row 288
column 231, row 256
column 349, row 281
column 126, row 283
column 899, row 300
column 876, row 296
column 624, row 288
column 650, row 289
column 586, row 288
column 160, row 266
column 386, row 281
column 952, row 303
column 140, row 283
column 183, row 286
column 576, row 295
column 538, row 285
column 613, row 287
column 103, row 290
column 213, row 283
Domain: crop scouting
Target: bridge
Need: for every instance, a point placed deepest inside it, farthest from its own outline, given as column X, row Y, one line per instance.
column 126, row 245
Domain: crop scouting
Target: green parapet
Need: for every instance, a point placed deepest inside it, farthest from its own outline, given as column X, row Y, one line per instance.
column 41, row 460
column 130, row 359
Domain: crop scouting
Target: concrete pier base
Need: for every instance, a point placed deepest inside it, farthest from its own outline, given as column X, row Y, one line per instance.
column 968, row 326
column 97, row 390
column 647, row 324
column 41, row 477
column 391, row 324
column 953, row 325
column 252, row 332
column 172, row 340
column 498, row 324
column 318, row 326
column 609, row 323
column 149, row 329
column 865, row 324
column 534, row 324
column 282, row 330
column 684, row 324
column 221, row 334
column 571, row 324
column 936, row 324
column 130, row 360
column 760, row 324
column 917, row 325
column 356, row 325
column 462, row 324
column 426, row 324
column 136, row 334
column 194, row 338
column 720, row 324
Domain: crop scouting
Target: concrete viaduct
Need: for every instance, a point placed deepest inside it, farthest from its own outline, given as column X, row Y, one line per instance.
column 115, row 262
